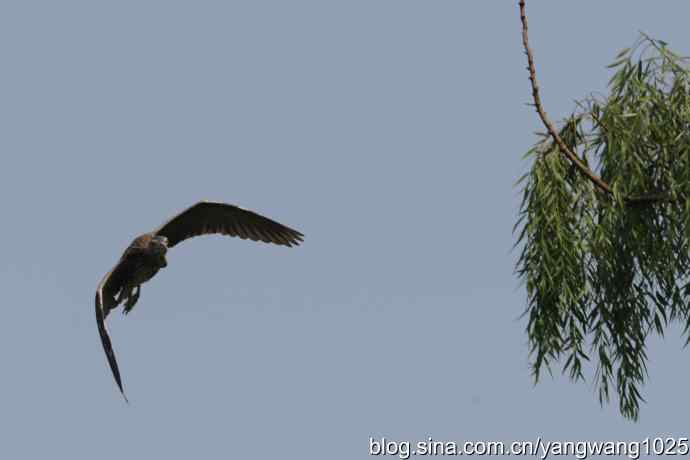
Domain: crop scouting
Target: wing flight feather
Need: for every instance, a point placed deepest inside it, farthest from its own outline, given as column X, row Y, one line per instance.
column 208, row 217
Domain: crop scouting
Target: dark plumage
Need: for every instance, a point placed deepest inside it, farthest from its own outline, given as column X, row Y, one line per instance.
column 146, row 255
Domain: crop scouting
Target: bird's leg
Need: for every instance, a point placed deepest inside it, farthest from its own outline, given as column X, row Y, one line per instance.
column 121, row 296
column 132, row 299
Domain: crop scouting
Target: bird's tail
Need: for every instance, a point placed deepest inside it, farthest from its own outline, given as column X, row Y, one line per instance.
column 108, row 346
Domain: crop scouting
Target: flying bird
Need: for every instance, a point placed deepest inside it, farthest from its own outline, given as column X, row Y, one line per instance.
column 145, row 256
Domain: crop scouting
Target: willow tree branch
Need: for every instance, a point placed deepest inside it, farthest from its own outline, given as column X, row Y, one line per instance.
column 565, row 150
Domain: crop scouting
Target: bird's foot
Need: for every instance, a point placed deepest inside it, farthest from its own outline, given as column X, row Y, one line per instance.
column 131, row 300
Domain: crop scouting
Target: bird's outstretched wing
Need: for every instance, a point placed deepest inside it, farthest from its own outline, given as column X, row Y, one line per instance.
column 208, row 217
column 106, row 301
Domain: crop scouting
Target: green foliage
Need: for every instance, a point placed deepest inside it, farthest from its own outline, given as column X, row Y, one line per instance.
column 603, row 272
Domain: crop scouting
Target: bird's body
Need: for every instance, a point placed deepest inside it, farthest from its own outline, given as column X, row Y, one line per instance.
column 146, row 255
column 140, row 262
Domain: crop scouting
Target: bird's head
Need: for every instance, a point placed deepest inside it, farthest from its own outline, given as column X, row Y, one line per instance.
column 159, row 244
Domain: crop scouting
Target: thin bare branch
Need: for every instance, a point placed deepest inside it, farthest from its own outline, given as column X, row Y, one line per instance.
column 596, row 180
column 565, row 150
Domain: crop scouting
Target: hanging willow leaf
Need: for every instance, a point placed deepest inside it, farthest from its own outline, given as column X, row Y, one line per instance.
column 603, row 273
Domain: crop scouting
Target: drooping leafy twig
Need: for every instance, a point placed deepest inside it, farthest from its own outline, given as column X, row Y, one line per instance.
column 605, row 249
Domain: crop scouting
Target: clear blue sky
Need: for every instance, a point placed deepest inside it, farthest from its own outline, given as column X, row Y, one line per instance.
column 389, row 132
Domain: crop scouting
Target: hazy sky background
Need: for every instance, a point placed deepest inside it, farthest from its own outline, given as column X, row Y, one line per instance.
column 389, row 132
